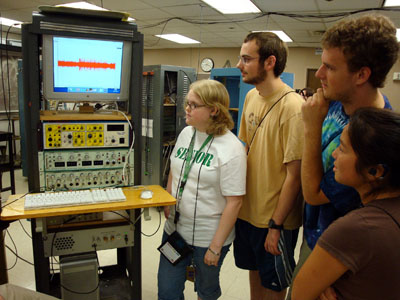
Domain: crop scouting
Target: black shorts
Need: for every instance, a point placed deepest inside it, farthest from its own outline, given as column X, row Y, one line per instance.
column 250, row 254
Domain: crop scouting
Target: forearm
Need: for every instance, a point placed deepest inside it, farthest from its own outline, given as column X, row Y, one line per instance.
column 289, row 193
column 319, row 272
column 311, row 167
column 227, row 221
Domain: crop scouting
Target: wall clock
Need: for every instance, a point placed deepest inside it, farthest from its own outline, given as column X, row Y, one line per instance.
column 207, row 64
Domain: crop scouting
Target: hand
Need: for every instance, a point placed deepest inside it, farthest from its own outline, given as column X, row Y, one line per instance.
column 166, row 213
column 271, row 241
column 315, row 109
column 328, row 294
column 211, row 259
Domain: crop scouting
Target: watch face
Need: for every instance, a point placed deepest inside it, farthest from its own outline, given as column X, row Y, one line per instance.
column 207, row 64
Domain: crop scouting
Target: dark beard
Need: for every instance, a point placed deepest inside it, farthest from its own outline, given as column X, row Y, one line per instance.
column 262, row 74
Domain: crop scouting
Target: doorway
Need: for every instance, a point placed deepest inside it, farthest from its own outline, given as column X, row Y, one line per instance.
column 312, row 81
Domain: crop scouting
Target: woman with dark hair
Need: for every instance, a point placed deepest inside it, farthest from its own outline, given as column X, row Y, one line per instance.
column 358, row 255
column 208, row 179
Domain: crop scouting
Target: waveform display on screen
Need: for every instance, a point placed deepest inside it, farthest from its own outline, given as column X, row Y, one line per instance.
column 82, row 64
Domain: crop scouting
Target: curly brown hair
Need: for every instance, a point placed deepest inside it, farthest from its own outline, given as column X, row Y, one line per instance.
column 214, row 94
column 367, row 41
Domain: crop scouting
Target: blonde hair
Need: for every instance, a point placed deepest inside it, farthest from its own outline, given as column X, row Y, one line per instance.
column 214, row 94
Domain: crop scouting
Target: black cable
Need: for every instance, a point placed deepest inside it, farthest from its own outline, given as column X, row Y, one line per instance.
column 23, row 228
column 137, row 219
column 127, row 219
column 162, row 30
column 21, row 258
column 7, row 204
column 15, row 246
column 158, row 228
column 299, row 17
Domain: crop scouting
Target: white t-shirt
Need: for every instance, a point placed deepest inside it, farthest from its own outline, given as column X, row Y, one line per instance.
column 221, row 165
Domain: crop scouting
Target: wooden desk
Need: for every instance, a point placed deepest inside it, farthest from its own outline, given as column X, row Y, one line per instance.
column 16, row 210
column 128, row 258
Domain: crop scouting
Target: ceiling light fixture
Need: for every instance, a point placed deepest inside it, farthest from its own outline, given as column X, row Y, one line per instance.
column 283, row 36
column 233, row 6
column 82, row 5
column 177, row 38
column 10, row 22
column 389, row 3
column 398, row 34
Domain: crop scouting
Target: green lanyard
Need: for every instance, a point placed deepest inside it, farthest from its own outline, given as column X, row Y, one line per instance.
column 189, row 162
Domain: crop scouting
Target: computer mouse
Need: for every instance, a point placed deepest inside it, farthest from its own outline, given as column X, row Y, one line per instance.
column 146, row 194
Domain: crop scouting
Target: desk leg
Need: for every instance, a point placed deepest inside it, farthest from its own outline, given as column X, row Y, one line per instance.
column 42, row 266
column 131, row 258
column 3, row 261
column 11, row 163
column 135, row 260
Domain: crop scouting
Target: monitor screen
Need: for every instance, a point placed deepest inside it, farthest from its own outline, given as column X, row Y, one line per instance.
column 82, row 69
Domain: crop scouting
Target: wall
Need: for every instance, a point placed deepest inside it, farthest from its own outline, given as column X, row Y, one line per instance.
column 298, row 61
column 392, row 87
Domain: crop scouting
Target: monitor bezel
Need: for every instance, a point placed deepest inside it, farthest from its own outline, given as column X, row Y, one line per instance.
column 48, row 76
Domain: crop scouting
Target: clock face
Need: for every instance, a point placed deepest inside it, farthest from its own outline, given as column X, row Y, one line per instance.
column 207, row 64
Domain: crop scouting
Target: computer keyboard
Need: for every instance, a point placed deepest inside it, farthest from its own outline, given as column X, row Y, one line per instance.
column 72, row 198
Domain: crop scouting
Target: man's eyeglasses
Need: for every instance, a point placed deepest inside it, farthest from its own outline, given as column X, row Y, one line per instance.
column 246, row 59
column 193, row 105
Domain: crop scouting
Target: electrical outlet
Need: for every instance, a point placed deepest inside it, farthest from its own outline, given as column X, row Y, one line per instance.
column 396, row 76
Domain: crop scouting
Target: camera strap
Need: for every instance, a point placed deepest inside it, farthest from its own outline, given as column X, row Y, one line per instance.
column 266, row 114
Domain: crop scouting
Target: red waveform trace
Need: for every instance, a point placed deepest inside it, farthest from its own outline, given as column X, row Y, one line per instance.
column 81, row 64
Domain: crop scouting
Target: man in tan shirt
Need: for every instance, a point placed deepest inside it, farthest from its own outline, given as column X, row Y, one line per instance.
column 272, row 129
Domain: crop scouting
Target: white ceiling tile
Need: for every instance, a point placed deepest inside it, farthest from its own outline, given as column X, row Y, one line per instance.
column 149, row 14
column 216, row 29
column 123, row 5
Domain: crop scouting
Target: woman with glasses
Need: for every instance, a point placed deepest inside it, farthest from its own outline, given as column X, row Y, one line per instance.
column 208, row 179
column 358, row 255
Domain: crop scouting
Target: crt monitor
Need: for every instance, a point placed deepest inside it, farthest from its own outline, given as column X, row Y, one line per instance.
column 86, row 69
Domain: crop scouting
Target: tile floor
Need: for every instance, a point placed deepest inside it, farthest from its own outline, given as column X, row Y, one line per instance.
column 234, row 282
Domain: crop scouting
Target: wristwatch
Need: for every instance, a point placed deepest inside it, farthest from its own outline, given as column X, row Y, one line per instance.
column 272, row 224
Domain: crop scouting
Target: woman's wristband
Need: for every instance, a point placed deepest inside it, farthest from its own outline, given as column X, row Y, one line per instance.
column 213, row 252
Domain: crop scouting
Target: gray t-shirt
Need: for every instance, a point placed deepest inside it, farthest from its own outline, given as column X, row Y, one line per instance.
column 367, row 241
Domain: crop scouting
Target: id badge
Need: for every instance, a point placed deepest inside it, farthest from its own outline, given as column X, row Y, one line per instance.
column 190, row 273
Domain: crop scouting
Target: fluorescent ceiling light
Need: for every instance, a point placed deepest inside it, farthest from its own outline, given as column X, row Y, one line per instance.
column 398, row 34
column 233, row 6
column 283, row 36
column 391, row 3
column 83, row 5
column 9, row 22
column 177, row 38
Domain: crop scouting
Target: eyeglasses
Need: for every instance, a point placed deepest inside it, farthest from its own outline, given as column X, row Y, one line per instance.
column 193, row 105
column 246, row 59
